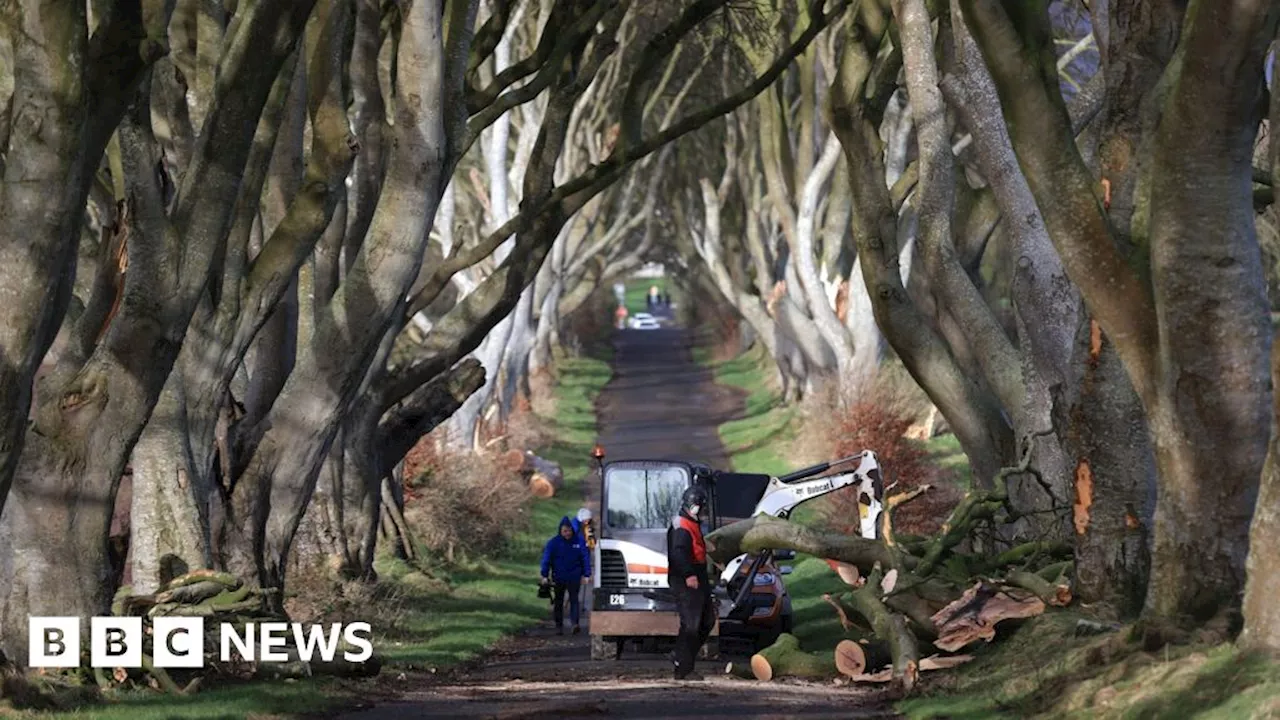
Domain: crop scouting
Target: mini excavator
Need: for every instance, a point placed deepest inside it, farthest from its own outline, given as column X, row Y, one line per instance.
column 639, row 498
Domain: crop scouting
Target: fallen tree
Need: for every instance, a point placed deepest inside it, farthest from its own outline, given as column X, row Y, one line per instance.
column 914, row 596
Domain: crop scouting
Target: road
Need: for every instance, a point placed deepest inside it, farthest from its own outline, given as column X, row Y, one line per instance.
column 659, row 404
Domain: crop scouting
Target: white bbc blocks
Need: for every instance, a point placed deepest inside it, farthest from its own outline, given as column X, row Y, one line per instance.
column 53, row 642
column 179, row 642
column 115, row 642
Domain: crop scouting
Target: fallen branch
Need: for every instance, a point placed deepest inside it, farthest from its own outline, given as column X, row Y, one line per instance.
column 767, row 533
column 1055, row 594
column 890, row 505
column 844, row 617
column 943, row 662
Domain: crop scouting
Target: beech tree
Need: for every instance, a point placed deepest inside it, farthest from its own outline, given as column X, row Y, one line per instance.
column 1199, row 279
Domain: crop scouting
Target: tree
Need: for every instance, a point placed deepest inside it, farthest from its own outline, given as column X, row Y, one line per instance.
column 1205, row 400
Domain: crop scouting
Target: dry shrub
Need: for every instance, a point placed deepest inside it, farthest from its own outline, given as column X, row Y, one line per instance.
column 877, row 420
column 318, row 596
column 464, row 502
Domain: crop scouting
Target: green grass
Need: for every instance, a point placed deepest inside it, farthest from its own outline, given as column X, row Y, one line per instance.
column 755, row 440
column 440, row 624
column 282, row 699
column 1043, row 670
column 944, row 450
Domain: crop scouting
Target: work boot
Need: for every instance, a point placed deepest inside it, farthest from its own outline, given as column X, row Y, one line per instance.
column 576, row 629
column 691, row 675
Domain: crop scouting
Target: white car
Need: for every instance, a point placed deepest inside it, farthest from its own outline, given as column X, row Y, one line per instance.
column 645, row 323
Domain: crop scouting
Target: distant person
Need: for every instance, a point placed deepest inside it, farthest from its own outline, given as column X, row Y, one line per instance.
column 620, row 317
column 687, row 577
column 565, row 563
column 666, row 300
column 652, row 299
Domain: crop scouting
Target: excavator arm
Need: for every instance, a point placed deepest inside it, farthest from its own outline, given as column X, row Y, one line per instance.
column 784, row 494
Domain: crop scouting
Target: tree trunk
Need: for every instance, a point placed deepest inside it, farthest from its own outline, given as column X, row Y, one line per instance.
column 1261, row 611
column 1114, row 488
column 973, row 415
column 1211, row 406
column 68, row 97
column 784, row 658
column 170, row 512
column 273, row 493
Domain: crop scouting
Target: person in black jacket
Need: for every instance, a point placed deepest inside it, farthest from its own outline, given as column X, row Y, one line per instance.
column 687, row 577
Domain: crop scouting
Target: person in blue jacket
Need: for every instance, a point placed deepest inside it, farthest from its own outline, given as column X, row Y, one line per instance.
column 565, row 563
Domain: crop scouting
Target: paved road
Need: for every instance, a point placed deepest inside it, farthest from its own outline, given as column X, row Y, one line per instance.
column 659, row 405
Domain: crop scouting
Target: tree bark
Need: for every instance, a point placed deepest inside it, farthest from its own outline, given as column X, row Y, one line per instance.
column 1261, row 612
column 1210, row 409
column 277, row 484
column 70, row 91
column 1205, row 399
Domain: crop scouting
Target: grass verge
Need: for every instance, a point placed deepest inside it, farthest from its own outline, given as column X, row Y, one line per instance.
column 755, row 441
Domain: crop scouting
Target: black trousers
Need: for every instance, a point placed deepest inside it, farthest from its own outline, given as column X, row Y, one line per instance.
column 560, row 590
column 697, row 619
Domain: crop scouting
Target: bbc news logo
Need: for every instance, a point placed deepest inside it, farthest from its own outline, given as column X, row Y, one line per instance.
column 178, row 642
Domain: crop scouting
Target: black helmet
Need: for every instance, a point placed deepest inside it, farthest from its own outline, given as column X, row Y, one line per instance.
column 694, row 497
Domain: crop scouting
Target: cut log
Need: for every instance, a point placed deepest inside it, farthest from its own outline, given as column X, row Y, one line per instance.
column 545, row 477
column 854, row 659
column 739, row 670
column 851, row 660
column 512, row 461
column 784, row 658
column 891, row 628
column 849, row 574
column 890, row 582
column 975, row 615
column 1056, row 594
column 543, row 486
